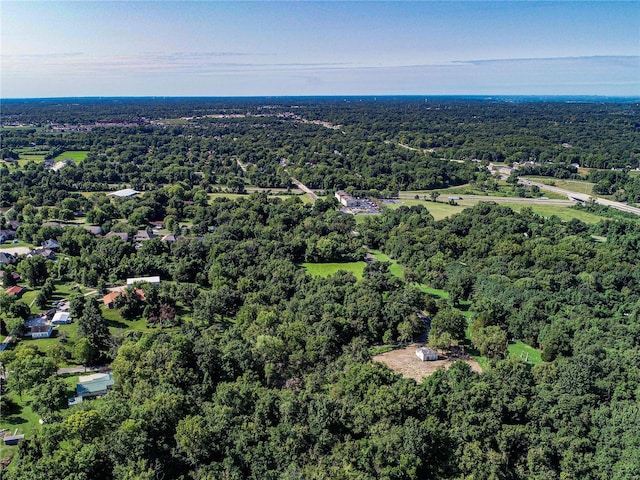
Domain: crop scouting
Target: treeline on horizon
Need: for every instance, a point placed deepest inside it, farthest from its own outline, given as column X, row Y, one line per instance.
column 390, row 144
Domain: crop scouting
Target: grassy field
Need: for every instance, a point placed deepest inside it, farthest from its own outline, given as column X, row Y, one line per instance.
column 305, row 198
column 396, row 268
column 77, row 156
column 19, row 415
column 563, row 213
column 437, row 209
column 326, row 269
column 578, row 186
column 444, row 210
column 515, row 349
column 521, row 350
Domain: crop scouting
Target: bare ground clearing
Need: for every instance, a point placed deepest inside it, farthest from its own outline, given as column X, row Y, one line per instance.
column 405, row 362
column 16, row 250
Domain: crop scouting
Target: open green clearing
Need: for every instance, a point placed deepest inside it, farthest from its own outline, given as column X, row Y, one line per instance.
column 327, row 269
column 444, row 210
column 233, row 196
column 76, row 155
column 521, row 350
column 563, row 213
column 437, row 209
column 578, row 186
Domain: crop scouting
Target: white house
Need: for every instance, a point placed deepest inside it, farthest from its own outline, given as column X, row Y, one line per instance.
column 426, row 354
column 61, row 318
column 38, row 327
column 41, row 331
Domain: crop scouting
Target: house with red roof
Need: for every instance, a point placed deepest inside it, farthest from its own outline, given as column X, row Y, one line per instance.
column 16, row 291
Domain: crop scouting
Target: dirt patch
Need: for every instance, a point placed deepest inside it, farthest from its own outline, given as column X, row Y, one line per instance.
column 405, row 362
column 16, row 250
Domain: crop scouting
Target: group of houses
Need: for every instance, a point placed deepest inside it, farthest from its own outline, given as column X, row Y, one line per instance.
column 48, row 251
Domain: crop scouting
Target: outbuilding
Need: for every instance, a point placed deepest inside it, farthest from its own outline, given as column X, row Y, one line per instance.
column 426, row 354
column 61, row 318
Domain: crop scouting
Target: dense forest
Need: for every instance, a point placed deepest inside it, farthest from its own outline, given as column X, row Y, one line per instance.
column 250, row 367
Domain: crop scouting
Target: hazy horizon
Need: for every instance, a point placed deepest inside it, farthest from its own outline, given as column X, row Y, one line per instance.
column 256, row 49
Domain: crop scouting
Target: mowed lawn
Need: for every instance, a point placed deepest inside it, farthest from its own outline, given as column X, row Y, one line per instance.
column 439, row 210
column 77, row 156
column 525, row 352
column 578, row 186
column 234, row 196
column 327, row 269
column 444, row 210
column 563, row 213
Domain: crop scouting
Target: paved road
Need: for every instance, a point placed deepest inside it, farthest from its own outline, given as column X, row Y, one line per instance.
column 5, row 343
column 304, row 188
column 241, row 165
column 489, row 198
column 582, row 196
column 425, row 151
column 62, row 371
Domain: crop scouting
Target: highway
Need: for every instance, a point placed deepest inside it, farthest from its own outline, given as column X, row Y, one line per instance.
column 582, row 197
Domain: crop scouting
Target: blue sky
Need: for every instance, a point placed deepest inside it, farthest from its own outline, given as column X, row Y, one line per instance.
column 153, row 48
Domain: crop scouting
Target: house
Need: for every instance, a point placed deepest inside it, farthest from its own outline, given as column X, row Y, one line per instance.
column 14, row 224
column 96, row 385
column 41, row 331
column 369, row 258
column 110, row 298
column 43, row 252
column 121, row 235
column 38, row 327
column 126, row 192
column 94, row 230
column 7, row 258
column 169, row 238
column 426, row 354
column 16, row 291
column 51, row 244
column 152, row 280
column 143, row 235
column 6, row 235
column 61, row 318
column 15, row 276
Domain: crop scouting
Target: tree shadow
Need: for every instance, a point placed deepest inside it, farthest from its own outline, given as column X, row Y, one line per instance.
column 117, row 324
column 15, row 420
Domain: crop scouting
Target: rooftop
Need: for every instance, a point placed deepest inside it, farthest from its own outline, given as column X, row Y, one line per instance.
column 126, row 192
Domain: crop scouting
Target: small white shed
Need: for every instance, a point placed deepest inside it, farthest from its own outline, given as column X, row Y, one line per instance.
column 426, row 354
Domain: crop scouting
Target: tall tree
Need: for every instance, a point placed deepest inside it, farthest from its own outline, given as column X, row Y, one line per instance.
column 93, row 327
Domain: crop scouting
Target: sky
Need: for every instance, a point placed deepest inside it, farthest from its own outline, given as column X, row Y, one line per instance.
column 237, row 48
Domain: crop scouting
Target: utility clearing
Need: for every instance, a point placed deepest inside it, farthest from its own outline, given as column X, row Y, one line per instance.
column 405, row 362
